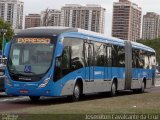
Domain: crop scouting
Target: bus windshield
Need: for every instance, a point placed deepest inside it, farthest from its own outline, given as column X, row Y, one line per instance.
column 30, row 58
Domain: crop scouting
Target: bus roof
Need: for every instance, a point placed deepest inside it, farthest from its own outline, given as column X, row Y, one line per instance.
column 56, row 30
column 45, row 31
column 142, row 47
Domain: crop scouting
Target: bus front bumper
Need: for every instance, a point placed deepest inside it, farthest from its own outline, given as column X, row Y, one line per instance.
column 28, row 92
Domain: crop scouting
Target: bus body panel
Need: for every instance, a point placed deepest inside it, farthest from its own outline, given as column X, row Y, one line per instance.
column 94, row 78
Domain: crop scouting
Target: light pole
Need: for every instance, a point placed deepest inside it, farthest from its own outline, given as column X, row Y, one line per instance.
column 3, row 33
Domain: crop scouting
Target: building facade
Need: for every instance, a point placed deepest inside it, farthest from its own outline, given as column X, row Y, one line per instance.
column 51, row 17
column 151, row 26
column 126, row 20
column 89, row 17
column 12, row 11
column 32, row 20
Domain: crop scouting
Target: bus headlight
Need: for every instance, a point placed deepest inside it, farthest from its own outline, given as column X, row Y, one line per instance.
column 45, row 82
column 7, row 81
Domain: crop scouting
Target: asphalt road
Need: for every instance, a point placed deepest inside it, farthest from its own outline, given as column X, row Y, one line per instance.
column 13, row 103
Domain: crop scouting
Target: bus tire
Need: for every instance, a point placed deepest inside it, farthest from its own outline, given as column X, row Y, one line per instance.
column 113, row 89
column 76, row 93
column 34, row 98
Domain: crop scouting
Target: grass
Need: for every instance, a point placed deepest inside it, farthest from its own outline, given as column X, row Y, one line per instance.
column 58, row 109
column 146, row 103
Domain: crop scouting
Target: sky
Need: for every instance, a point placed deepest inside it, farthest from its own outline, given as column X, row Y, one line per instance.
column 36, row 6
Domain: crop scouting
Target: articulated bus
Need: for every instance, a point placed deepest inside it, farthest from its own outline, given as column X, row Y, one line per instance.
column 62, row 61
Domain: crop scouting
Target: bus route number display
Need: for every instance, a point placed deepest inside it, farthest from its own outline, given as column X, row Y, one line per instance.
column 34, row 40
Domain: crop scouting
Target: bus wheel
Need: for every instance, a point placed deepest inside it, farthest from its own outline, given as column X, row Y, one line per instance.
column 76, row 93
column 113, row 89
column 34, row 98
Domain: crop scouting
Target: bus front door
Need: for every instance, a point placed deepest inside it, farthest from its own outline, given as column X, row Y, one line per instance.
column 89, row 69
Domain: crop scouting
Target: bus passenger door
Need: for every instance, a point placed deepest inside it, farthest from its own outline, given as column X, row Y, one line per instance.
column 89, row 69
column 99, row 70
column 108, row 67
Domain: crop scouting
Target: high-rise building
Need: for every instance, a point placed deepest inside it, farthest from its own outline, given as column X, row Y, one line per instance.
column 89, row 17
column 151, row 26
column 51, row 17
column 126, row 20
column 32, row 20
column 12, row 11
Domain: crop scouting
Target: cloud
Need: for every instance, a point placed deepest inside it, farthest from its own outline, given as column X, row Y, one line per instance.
column 36, row 6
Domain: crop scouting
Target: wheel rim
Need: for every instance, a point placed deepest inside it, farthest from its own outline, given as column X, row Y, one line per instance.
column 76, row 92
column 113, row 89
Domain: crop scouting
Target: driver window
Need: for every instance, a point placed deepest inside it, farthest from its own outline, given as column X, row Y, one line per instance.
column 66, row 60
column 62, row 66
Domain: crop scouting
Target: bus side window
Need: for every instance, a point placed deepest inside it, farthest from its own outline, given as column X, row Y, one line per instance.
column 66, row 60
column 109, row 56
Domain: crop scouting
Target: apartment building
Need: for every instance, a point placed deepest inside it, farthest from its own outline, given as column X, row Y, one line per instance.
column 51, row 17
column 12, row 11
column 126, row 20
column 32, row 20
column 151, row 26
column 90, row 17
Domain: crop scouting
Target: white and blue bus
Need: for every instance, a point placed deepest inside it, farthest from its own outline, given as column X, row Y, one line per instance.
column 60, row 61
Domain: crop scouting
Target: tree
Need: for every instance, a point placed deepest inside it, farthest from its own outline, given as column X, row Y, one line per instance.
column 46, row 18
column 8, row 27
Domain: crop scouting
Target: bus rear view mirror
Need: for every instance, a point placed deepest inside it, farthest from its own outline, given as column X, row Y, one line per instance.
column 6, row 50
column 59, row 50
column 57, row 74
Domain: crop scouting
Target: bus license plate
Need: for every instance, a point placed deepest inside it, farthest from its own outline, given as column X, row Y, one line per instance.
column 23, row 91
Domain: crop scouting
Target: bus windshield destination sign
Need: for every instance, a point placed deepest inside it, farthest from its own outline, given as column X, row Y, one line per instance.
column 34, row 40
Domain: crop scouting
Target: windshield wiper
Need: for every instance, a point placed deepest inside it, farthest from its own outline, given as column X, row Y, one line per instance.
column 22, row 73
column 16, row 74
column 33, row 73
